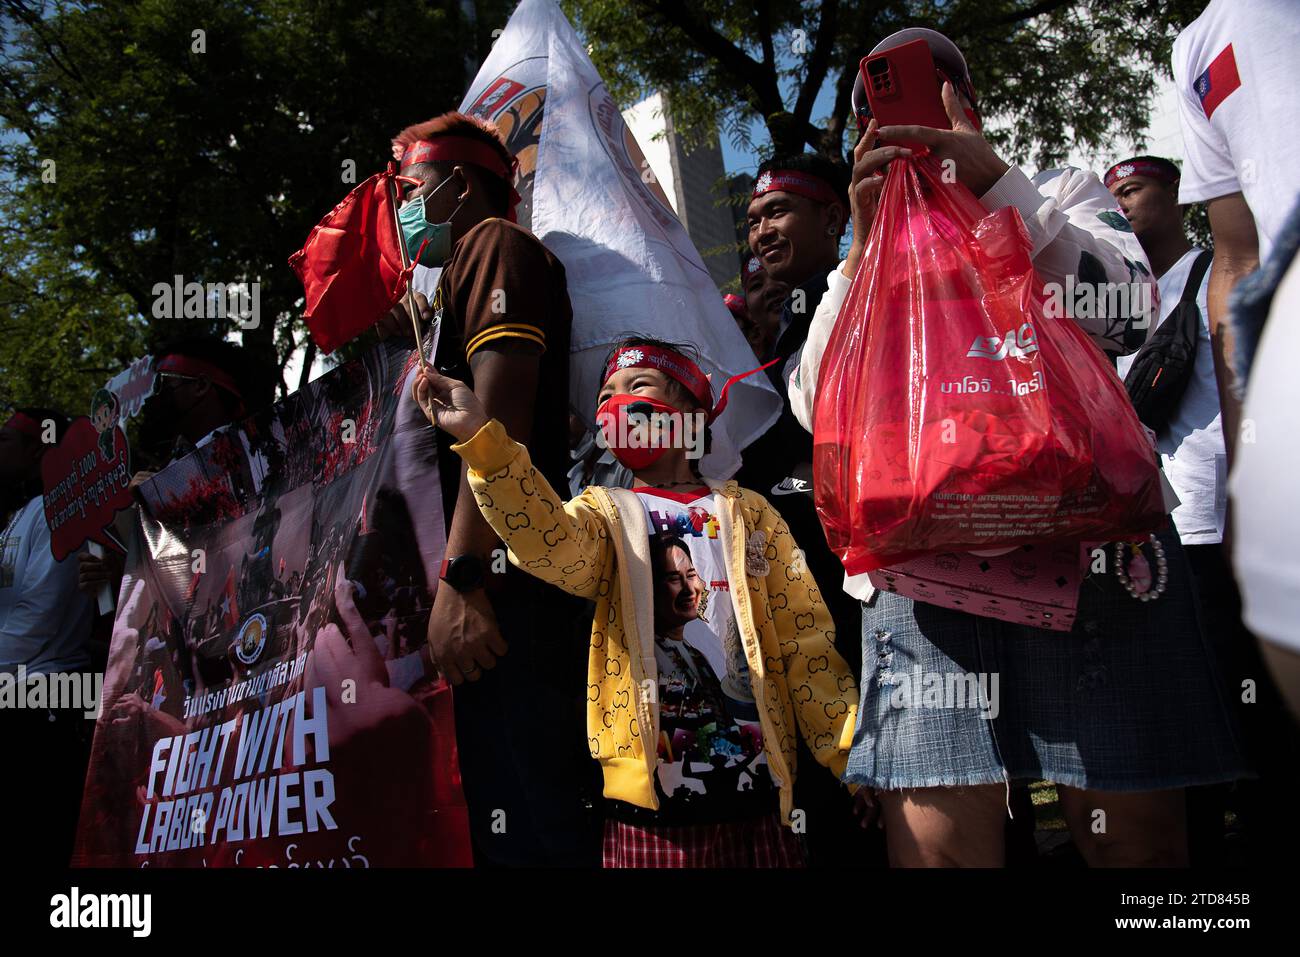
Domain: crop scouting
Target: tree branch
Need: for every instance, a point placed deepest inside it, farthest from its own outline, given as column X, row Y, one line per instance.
column 34, row 22
column 819, row 62
column 308, row 359
column 833, row 139
column 1034, row 10
column 764, row 16
column 766, row 98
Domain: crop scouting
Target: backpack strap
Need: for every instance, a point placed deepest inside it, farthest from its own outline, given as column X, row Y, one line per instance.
column 1199, row 268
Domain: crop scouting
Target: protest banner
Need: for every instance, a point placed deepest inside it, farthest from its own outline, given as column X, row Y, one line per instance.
column 267, row 700
column 84, row 491
column 86, row 479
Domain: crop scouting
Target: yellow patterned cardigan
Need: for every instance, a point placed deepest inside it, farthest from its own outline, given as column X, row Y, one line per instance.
column 597, row 546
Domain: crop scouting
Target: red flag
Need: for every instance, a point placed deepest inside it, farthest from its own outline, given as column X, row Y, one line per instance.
column 1218, row 82
column 351, row 265
column 229, row 605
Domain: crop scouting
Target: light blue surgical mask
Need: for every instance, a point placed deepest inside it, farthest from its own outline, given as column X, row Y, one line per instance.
column 416, row 229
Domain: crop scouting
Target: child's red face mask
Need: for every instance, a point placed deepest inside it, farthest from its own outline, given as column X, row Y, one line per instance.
column 638, row 429
column 637, row 423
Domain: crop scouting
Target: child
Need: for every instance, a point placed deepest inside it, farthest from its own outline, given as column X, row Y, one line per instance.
column 710, row 647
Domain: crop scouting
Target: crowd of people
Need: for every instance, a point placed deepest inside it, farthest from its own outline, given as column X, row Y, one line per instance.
column 674, row 669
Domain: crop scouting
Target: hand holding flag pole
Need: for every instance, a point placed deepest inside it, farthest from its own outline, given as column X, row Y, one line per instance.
column 410, row 298
column 406, row 264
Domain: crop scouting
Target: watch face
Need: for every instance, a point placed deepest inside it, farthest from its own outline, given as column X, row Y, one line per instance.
column 465, row 572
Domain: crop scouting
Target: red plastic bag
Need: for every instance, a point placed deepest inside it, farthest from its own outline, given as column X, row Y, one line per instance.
column 951, row 413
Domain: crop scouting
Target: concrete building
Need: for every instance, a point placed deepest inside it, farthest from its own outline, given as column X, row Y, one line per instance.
column 696, row 184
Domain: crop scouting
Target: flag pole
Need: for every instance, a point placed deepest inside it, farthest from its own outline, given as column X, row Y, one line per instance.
column 406, row 264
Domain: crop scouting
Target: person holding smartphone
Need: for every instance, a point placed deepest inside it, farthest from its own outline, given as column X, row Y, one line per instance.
column 1123, row 711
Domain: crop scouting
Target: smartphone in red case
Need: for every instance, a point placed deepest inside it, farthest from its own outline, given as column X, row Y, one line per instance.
column 903, row 88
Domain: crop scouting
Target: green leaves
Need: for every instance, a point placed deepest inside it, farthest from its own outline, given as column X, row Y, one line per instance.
column 1036, row 65
column 213, row 165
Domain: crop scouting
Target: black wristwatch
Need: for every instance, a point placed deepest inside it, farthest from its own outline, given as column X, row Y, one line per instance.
column 463, row 573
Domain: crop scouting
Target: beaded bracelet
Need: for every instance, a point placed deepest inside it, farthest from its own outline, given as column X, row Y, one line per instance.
column 1162, row 569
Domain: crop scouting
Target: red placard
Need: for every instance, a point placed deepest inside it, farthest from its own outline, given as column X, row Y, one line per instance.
column 87, row 481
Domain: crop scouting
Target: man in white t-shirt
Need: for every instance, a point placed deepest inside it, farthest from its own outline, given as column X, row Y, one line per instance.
column 1191, row 446
column 44, row 630
column 1191, row 443
column 1233, row 70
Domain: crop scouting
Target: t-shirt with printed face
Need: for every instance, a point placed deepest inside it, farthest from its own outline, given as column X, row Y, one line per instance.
column 711, row 764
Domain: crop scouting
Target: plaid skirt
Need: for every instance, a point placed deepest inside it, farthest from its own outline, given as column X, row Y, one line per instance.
column 756, row 842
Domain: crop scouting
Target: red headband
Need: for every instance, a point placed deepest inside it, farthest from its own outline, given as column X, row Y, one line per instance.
column 737, row 305
column 194, row 368
column 790, row 181
column 462, row 149
column 24, row 423
column 1166, row 172
column 680, row 368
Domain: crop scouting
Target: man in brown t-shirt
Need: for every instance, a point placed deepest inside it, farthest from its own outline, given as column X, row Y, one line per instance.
column 514, row 648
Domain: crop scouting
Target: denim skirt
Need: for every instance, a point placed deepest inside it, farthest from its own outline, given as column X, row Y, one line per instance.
column 1128, row 700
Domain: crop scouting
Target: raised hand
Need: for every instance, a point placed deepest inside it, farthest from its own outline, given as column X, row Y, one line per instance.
column 975, row 164
column 450, row 404
column 864, row 189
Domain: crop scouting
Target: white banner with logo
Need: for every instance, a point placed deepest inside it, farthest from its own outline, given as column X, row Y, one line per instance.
column 588, row 194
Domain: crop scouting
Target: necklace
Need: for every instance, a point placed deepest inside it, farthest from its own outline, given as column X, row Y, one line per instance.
column 1135, row 554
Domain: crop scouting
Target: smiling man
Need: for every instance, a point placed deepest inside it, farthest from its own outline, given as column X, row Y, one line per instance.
column 797, row 214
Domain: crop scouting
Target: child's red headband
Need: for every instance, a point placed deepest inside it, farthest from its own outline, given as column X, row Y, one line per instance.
column 678, row 367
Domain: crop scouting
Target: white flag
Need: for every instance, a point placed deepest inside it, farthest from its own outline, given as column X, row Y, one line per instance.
column 588, row 194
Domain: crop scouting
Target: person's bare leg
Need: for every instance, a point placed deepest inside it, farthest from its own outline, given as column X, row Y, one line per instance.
column 945, row 827
column 1127, row 829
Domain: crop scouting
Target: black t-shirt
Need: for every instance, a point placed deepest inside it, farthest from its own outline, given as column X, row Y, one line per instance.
column 775, row 455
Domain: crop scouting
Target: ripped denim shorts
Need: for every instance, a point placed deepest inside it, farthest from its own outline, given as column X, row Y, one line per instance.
column 1128, row 700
